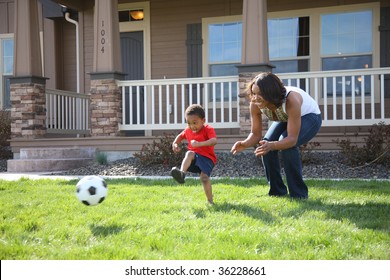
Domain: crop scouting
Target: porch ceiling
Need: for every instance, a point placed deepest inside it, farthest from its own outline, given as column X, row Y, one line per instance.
column 76, row 4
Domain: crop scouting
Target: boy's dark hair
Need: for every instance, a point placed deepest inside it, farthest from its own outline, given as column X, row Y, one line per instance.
column 195, row 109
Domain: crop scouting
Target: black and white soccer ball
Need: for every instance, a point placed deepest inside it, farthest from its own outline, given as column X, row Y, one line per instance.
column 91, row 190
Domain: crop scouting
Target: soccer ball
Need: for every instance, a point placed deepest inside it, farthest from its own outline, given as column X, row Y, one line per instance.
column 91, row 190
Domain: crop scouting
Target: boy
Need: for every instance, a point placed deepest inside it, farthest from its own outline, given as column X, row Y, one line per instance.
column 200, row 157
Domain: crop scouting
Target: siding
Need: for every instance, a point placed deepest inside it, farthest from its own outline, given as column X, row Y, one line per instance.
column 169, row 20
column 6, row 16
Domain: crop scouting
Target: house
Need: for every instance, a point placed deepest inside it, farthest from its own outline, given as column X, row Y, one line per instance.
column 113, row 74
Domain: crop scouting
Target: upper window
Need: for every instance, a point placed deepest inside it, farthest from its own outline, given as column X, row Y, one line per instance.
column 131, row 15
column 224, row 47
column 346, row 43
column 288, row 37
column 346, row 33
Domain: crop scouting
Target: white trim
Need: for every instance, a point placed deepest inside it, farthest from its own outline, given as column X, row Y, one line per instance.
column 2, row 37
column 205, row 37
column 144, row 26
column 315, row 36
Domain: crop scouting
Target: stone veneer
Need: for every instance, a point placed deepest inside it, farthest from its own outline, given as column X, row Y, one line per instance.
column 245, row 117
column 28, row 113
column 105, row 107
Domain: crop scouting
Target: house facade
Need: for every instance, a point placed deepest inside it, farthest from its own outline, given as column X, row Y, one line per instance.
column 114, row 74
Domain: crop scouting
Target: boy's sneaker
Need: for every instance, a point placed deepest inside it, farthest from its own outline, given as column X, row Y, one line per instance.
column 178, row 175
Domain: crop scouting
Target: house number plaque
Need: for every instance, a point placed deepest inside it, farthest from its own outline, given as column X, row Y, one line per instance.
column 103, row 38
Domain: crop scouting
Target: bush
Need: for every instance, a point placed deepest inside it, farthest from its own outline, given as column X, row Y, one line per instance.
column 306, row 151
column 376, row 147
column 160, row 152
column 5, row 134
column 101, row 158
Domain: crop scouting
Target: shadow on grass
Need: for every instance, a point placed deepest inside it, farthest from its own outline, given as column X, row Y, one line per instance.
column 190, row 182
column 253, row 212
column 369, row 215
column 104, row 231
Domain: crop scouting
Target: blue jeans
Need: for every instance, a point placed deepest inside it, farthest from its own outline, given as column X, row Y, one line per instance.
column 310, row 125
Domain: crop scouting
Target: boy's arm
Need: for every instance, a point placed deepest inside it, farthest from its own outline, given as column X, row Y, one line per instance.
column 176, row 142
column 209, row 142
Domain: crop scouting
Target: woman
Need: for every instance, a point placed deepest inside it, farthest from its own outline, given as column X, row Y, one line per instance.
column 296, row 120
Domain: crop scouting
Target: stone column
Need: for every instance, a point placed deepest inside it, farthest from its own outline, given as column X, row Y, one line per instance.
column 106, row 105
column 255, row 57
column 28, row 99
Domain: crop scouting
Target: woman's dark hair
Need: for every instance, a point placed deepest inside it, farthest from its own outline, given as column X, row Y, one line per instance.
column 271, row 88
column 195, row 109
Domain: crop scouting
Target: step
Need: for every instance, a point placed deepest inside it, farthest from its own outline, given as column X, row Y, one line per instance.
column 46, row 165
column 57, row 153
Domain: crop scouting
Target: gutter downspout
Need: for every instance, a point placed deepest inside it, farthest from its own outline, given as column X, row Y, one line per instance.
column 67, row 17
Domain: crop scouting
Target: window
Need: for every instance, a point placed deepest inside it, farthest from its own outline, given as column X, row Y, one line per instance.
column 346, row 43
column 224, row 52
column 289, row 44
column 131, row 15
column 288, row 37
column 326, row 38
column 6, row 63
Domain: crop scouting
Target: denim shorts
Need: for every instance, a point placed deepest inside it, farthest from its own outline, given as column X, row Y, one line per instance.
column 201, row 164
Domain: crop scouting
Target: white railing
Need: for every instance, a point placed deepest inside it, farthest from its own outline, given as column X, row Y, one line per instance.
column 67, row 112
column 160, row 104
column 353, row 97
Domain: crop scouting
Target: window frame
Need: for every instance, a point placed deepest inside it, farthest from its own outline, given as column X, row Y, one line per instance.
column 314, row 14
column 2, row 75
column 315, row 58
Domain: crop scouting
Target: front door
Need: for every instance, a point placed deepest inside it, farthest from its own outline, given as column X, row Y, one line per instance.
column 132, row 51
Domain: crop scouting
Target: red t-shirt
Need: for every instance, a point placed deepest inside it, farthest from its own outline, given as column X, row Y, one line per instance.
column 206, row 133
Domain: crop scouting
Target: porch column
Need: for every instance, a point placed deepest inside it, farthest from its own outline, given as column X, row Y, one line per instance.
column 106, row 105
column 27, row 85
column 254, row 57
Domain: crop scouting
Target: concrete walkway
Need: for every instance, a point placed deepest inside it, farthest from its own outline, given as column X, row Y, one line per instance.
column 36, row 176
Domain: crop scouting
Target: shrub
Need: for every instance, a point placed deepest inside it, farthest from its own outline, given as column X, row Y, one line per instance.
column 160, row 152
column 306, row 151
column 101, row 158
column 376, row 147
column 5, row 134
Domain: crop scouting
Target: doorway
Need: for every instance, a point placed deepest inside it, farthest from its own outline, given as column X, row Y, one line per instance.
column 132, row 52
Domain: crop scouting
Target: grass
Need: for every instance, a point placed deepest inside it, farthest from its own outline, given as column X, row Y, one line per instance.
column 145, row 219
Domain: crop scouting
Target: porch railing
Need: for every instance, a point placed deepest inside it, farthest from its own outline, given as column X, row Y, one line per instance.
column 347, row 97
column 67, row 112
column 161, row 104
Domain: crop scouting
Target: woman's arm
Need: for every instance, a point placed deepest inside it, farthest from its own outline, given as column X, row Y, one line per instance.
column 293, row 110
column 256, row 131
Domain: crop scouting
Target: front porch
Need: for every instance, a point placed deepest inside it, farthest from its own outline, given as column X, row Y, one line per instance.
column 354, row 100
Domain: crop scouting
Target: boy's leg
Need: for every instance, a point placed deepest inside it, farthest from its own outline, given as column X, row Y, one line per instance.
column 206, row 182
column 189, row 157
column 179, row 174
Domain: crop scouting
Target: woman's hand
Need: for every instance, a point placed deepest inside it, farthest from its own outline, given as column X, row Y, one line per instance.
column 237, row 147
column 264, row 148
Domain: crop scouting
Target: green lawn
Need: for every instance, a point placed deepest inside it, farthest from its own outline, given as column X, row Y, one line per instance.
column 145, row 219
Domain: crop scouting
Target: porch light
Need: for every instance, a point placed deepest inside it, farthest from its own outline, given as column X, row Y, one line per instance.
column 137, row 14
